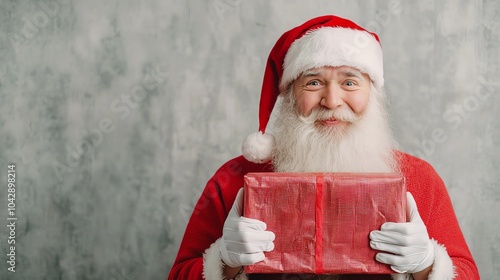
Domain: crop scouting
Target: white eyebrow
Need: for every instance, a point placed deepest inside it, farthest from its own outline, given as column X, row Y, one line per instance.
column 309, row 73
column 352, row 73
column 345, row 73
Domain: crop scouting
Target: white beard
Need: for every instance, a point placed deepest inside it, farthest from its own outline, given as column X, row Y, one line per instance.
column 365, row 145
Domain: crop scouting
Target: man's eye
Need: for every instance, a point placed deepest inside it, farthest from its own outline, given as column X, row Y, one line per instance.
column 313, row 83
column 349, row 83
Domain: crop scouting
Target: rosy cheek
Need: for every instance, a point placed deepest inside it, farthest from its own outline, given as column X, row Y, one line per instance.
column 302, row 107
column 357, row 108
column 306, row 105
column 359, row 104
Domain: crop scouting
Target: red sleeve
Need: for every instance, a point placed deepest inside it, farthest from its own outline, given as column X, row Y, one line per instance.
column 206, row 222
column 203, row 228
column 436, row 209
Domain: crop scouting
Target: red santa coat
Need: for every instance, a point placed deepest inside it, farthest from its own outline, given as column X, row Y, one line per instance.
column 198, row 256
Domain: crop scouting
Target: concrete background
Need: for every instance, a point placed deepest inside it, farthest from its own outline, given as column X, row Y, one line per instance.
column 116, row 113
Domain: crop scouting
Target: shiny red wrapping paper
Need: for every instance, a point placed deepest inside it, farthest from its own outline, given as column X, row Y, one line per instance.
column 322, row 221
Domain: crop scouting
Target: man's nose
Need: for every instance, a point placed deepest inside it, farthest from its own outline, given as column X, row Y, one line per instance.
column 332, row 97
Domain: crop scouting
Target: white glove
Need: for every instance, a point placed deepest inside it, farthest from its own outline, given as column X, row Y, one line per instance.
column 408, row 243
column 244, row 240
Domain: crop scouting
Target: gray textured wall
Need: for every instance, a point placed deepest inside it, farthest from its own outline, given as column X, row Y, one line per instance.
column 116, row 113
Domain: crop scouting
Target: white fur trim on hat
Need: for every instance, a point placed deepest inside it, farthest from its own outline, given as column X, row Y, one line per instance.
column 334, row 46
column 442, row 269
column 258, row 147
column 213, row 265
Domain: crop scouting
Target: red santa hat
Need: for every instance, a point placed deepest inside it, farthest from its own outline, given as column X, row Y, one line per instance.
column 322, row 41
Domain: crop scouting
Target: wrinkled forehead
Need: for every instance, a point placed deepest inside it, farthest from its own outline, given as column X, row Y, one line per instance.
column 342, row 71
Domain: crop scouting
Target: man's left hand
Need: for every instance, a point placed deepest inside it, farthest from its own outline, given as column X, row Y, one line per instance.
column 406, row 246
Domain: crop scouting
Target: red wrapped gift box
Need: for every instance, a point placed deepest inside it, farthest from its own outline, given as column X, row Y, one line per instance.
column 322, row 221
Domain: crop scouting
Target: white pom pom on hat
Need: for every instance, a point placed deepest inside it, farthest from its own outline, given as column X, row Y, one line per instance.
column 258, row 147
column 322, row 41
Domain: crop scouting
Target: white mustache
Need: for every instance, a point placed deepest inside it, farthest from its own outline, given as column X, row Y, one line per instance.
column 342, row 114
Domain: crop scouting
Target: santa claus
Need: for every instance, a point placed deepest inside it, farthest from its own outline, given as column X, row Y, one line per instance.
column 328, row 76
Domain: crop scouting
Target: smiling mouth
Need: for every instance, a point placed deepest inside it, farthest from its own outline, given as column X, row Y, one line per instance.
column 330, row 122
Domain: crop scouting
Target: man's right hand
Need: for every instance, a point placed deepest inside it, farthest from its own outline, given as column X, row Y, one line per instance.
column 244, row 240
